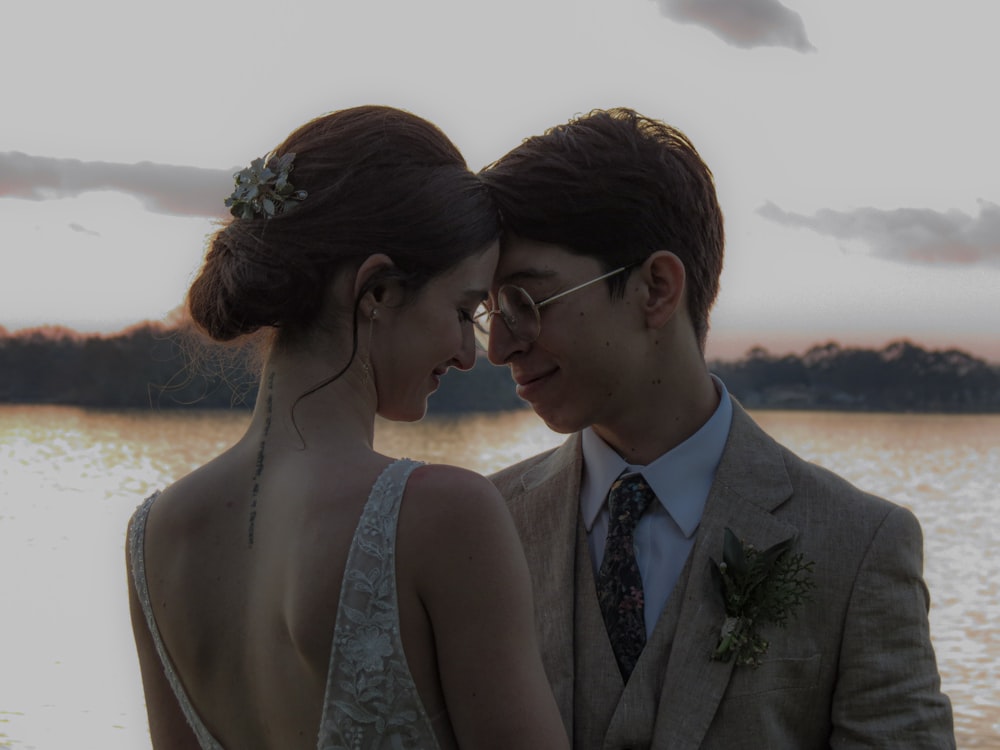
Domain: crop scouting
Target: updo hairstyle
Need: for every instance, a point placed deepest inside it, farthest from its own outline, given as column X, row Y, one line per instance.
column 379, row 180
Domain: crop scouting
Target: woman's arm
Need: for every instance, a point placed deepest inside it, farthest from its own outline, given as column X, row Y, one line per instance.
column 475, row 586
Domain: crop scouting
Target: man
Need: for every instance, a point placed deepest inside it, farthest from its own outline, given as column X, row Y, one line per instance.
column 610, row 265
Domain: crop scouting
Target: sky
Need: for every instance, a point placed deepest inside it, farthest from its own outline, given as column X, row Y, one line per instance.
column 853, row 142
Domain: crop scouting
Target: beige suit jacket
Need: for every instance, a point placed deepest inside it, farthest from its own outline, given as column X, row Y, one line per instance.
column 854, row 668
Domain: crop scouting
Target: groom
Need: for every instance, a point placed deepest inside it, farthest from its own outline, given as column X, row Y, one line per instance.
column 610, row 265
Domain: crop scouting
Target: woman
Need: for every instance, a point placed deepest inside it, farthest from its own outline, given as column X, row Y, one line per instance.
column 275, row 599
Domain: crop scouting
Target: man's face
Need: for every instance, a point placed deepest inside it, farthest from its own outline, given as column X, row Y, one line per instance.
column 575, row 374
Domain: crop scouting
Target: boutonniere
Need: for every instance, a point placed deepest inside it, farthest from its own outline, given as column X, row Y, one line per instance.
column 757, row 587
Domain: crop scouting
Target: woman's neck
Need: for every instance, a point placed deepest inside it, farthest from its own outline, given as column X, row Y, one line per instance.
column 296, row 408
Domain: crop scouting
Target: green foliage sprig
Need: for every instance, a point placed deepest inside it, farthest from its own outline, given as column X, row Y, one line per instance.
column 263, row 189
column 757, row 588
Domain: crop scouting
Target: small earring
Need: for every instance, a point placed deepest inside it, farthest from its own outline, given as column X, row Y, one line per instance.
column 366, row 368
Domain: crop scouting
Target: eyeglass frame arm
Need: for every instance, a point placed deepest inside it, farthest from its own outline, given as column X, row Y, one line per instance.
column 554, row 297
column 490, row 313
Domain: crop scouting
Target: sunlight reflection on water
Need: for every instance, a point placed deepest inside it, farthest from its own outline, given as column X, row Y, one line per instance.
column 70, row 478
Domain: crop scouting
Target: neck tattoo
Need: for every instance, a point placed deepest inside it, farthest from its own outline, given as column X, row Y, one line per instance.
column 259, row 467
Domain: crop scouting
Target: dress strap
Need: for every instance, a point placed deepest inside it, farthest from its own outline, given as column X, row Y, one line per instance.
column 371, row 699
column 136, row 542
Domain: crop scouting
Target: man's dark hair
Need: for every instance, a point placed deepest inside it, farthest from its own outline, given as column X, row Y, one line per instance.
column 617, row 186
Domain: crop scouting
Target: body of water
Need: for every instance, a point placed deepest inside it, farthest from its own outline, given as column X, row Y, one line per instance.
column 70, row 479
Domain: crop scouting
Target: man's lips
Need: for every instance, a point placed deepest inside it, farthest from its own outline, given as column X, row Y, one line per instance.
column 528, row 382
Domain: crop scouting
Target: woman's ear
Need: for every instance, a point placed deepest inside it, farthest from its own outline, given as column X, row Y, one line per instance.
column 665, row 278
column 366, row 280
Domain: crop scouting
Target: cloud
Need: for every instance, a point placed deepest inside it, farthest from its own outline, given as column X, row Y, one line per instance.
column 743, row 23
column 908, row 235
column 83, row 230
column 162, row 188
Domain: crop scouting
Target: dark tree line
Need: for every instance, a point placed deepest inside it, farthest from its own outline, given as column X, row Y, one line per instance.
column 160, row 367
column 899, row 378
column 153, row 366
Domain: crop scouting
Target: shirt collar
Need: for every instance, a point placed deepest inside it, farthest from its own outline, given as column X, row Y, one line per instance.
column 681, row 478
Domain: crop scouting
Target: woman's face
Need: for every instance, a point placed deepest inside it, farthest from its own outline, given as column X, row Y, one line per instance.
column 413, row 345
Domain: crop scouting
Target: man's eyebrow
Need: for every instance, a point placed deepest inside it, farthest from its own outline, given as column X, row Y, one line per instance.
column 527, row 274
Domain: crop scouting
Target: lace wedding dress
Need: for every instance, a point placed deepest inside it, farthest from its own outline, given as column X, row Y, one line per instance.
column 371, row 701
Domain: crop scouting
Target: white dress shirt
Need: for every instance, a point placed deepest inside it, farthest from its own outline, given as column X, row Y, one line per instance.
column 680, row 478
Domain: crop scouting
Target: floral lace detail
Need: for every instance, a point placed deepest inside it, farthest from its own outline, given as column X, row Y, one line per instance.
column 371, row 699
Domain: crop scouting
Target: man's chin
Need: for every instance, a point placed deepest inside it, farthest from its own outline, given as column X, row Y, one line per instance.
column 558, row 423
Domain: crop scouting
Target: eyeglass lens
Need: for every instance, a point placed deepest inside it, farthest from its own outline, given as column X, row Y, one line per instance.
column 518, row 311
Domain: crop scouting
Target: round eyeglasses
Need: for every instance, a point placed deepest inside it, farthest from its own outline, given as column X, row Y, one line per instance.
column 520, row 313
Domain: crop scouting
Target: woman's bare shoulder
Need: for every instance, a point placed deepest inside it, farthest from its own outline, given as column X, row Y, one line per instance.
column 452, row 487
column 225, row 475
column 448, row 510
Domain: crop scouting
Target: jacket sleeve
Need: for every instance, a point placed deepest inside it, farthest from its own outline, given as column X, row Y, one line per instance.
column 888, row 692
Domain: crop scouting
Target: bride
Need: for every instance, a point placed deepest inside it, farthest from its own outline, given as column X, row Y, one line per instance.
column 300, row 589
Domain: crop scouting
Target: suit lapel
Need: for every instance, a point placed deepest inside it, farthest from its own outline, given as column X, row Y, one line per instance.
column 751, row 481
column 545, row 507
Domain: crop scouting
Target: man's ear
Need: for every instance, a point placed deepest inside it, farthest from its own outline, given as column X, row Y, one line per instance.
column 665, row 278
column 367, row 279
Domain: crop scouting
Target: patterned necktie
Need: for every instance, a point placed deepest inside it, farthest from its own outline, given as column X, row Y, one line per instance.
column 619, row 586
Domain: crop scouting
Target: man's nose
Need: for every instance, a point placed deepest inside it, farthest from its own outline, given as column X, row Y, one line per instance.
column 502, row 344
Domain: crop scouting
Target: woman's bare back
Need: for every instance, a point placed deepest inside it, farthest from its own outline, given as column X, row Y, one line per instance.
column 249, row 628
